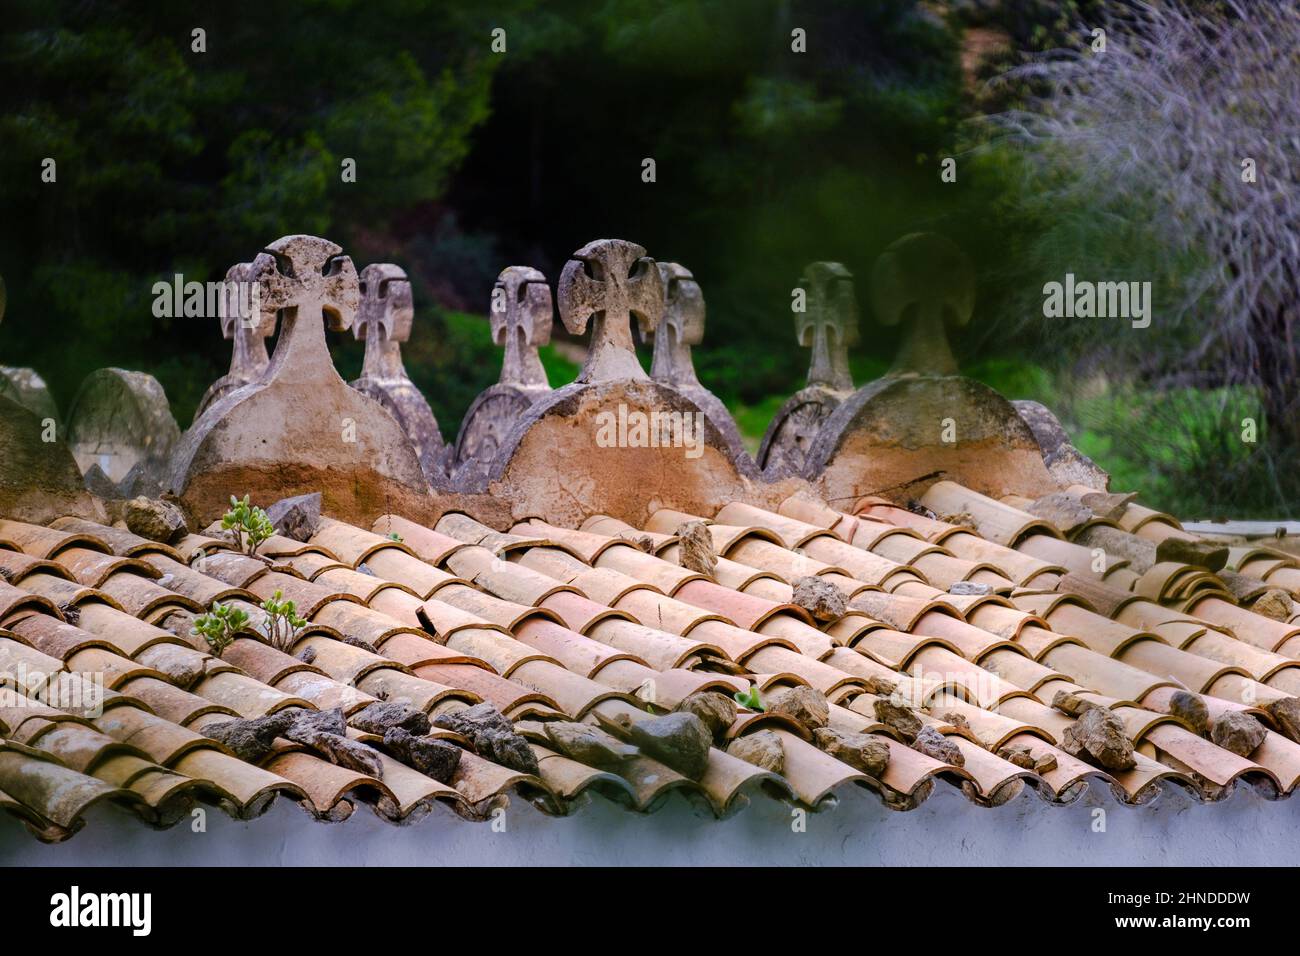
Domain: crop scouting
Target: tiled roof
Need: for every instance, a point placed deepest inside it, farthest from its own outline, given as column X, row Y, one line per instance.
column 977, row 611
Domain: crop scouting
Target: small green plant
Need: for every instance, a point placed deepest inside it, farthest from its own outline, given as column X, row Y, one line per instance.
column 219, row 626
column 248, row 525
column 750, row 699
column 394, row 536
column 282, row 621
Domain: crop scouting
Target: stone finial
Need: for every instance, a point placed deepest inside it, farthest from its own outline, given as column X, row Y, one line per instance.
column 239, row 324
column 312, row 279
column 829, row 324
column 681, row 325
column 613, row 280
column 928, row 281
column 245, row 322
column 521, row 315
column 299, row 428
column 383, row 320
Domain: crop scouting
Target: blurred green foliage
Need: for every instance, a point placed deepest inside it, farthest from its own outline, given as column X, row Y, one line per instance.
column 469, row 161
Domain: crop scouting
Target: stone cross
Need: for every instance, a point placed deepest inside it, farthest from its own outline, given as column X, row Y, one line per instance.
column 680, row 326
column 520, row 314
column 245, row 322
column 929, row 282
column 384, row 319
column 299, row 428
column 614, row 281
column 312, row 278
column 829, row 324
column 239, row 324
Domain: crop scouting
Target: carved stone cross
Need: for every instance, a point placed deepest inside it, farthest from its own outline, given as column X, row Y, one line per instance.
column 299, row 428
column 248, row 330
column 927, row 281
column 312, row 279
column 384, row 321
column 247, row 323
column 680, row 326
column 614, row 281
column 521, row 316
column 829, row 324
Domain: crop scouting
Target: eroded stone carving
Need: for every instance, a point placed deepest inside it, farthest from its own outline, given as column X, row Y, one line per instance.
column 923, row 421
column 828, row 326
column 247, row 325
column 521, row 315
column 383, row 322
column 927, row 281
column 615, row 441
column 301, row 428
column 614, row 281
column 681, row 326
column 120, row 421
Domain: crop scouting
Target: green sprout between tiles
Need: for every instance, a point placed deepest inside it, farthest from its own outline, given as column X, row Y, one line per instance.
column 282, row 621
column 750, row 699
column 394, row 536
column 247, row 524
column 220, row 625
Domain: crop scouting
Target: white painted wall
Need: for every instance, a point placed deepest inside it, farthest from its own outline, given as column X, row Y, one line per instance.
column 946, row 829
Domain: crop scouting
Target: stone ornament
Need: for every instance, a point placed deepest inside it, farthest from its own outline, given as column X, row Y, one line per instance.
column 121, row 422
column 615, row 441
column 300, row 428
column 613, row 281
column 927, row 281
column 828, row 326
column 383, row 322
column 521, row 314
column 681, row 325
column 922, row 421
column 247, row 332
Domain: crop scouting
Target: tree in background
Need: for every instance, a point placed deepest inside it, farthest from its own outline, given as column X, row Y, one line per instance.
column 1173, row 157
column 174, row 160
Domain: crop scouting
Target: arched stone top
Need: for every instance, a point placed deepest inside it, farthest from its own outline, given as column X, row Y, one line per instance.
column 586, row 449
column 119, row 419
column 911, row 430
column 300, row 428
